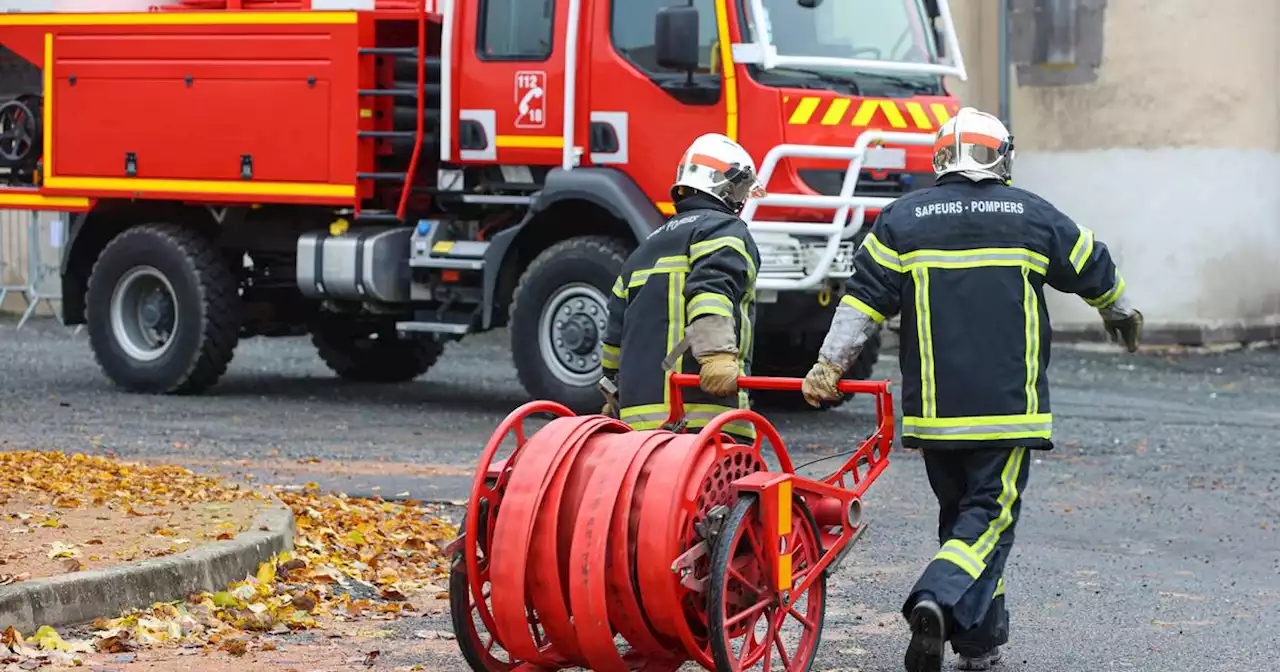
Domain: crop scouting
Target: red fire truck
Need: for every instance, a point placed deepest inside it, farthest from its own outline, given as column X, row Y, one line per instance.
column 391, row 175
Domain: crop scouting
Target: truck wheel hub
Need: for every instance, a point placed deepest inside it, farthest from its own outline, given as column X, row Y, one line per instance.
column 143, row 314
column 572, row 322
column 580, row 335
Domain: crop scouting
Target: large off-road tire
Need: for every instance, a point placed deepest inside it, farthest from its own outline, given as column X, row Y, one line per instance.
column 163, row 310
column 558, row 316
column 368, row 355
column 774, row 358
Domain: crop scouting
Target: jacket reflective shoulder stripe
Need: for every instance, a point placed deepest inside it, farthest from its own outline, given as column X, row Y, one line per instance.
column 882, row 254
column 702, row 249
column 976, row 258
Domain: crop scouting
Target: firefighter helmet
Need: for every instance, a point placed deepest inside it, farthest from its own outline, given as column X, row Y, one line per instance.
column 974, row 144
column 718, row 167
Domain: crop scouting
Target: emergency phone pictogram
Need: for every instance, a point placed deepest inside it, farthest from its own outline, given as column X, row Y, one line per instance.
column 531, row 89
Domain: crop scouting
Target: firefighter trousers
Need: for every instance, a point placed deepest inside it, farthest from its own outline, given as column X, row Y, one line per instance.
column 979, row 496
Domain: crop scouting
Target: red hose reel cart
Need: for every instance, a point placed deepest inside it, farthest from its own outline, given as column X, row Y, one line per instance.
column 592, row 545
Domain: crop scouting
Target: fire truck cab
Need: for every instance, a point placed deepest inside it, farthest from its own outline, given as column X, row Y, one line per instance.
column 391, row 175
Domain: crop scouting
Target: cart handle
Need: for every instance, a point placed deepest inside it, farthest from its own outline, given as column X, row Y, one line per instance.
column 862, row 465
column 682, row 380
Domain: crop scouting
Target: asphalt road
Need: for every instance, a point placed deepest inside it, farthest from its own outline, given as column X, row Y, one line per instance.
column 1149, row 539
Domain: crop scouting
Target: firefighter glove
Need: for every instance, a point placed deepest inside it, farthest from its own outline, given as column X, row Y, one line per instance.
column 822, row 383
column 1125, row 330
column 719, row 373
column 609, row 388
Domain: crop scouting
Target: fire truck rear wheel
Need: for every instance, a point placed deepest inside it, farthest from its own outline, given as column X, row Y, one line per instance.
column 355, row 354
column 163, row 310
column 558, row 316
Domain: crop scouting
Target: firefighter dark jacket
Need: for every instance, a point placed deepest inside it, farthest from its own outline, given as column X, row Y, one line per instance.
column 966, row 264
column 702, row 262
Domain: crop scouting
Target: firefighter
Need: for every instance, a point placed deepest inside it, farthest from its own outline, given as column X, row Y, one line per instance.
column 688, row 287
column 966, row 262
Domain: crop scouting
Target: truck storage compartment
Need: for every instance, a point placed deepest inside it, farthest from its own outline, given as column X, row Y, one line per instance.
column 250, row 103
column 367, row 264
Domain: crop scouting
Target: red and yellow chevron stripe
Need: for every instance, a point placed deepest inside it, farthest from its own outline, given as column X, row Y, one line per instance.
column 897, row 114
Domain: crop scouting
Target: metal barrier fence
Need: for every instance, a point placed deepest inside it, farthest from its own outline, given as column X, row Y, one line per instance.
column 30, row 255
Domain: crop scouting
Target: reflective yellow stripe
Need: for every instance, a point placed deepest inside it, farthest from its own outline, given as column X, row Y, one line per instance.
column 917, row 115
column 619, row 288
column 999, row 588
column 1083, row 249
column 867, row 112
column 728, row 72
column 1031, row 308
column 882, row 254
column 924, row 336
column 804, row 111
column 675, row 328
column 1109, row 299
column 979, row 428
column 836, row 111
column 959, row 554
column 610, row 356
column 983, row 257
column 702, row 249
column 862, row 308
column 973, row 558
column 708, row 303
column 941, row 112
column 1008, row 495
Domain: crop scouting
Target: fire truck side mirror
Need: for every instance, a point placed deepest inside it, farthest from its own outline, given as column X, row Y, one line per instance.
column 676, row 38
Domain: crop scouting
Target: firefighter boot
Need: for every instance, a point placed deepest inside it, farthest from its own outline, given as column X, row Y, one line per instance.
column 985, row 661
column 928, row 636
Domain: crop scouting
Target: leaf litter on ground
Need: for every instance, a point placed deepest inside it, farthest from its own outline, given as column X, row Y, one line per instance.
column 353, row 559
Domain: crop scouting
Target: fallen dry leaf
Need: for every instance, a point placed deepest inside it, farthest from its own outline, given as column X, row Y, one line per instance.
column 235, row 647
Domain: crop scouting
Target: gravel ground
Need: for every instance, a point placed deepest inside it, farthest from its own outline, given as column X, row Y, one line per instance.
column 1149, row 538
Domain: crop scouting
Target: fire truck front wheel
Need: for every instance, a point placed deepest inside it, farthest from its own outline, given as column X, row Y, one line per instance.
column 558, row 317
column 163, row 310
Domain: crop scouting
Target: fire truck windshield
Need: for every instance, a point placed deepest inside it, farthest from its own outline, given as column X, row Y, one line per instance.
column 837, row 43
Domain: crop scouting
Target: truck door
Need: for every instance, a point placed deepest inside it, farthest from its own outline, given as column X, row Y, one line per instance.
column 644, row 117
column 510, row 81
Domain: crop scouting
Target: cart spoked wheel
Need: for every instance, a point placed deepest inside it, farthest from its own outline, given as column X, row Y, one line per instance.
column 470, row 606
column 754, row 626
column 479, row 647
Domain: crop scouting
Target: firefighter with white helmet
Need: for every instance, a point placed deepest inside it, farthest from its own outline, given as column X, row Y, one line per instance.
column 966, row 262
column 689, row 287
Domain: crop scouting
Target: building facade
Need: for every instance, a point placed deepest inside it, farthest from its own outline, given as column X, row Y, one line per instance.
column 1156, row 123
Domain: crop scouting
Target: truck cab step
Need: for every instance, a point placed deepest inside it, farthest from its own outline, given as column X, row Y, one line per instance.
column 389, row 51
column 434, row 327
column 377, row 216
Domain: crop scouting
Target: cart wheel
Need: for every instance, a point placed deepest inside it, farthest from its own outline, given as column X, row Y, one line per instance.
column 749, row 628
column 479, row 647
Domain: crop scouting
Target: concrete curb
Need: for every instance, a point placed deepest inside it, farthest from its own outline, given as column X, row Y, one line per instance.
column 71, row 599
